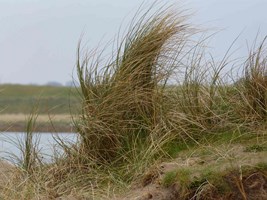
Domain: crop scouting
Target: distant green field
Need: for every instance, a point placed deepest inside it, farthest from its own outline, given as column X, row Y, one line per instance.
column 53, row 100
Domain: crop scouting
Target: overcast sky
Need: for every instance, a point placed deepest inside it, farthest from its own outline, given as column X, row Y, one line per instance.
column 38, row 39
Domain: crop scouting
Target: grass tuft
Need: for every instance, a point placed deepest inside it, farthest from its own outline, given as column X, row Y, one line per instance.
column 252, row 101
column 123, row 101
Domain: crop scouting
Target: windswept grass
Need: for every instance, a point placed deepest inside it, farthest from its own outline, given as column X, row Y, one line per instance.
column 252, row 86
column 159, row 88
column 123, row 107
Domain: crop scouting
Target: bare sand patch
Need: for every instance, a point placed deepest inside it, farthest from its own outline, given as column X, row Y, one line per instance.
column 222, row 159
column 41, row 118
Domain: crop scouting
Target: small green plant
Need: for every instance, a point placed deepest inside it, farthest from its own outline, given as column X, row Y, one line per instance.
column 29, row 145
column 184, row 177
column 180, row 175
column 176, row 146
column 169, row 178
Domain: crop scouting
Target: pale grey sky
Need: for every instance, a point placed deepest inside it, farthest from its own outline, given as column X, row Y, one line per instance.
column 38, row 39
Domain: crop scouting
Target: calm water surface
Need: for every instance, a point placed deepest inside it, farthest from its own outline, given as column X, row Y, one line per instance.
column 10, row 142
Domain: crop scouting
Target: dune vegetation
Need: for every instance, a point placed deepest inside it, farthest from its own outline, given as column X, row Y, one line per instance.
column 160, row 119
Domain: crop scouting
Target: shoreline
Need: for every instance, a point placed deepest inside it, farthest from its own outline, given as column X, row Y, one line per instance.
column 43, row 128
column 44, row 123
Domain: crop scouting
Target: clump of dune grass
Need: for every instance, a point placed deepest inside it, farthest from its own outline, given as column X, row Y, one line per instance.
column 123, row 99
column 30, row 151
column 28, row 146
column 125, row 122
column 130, row 110
column 26, row 167
column 251, row 104
column 198, row 98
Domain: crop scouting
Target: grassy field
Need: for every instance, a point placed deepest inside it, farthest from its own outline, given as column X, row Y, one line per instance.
column 22, row 98
column 159, row 119
column 53, row 104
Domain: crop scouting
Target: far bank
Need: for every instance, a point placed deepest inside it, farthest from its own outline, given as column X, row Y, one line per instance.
column 44, row 123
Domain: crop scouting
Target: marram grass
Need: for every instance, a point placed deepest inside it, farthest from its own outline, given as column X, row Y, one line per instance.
column 158, row 87
column 123, row 100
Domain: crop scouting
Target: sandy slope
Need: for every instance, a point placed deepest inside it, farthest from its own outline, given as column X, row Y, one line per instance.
column 223, row 158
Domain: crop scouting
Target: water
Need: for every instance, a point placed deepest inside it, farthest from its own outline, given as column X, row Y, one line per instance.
column 10, row 142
